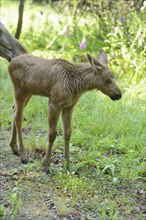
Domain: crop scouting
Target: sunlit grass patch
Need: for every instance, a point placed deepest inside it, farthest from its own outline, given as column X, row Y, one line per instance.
column 107, row 149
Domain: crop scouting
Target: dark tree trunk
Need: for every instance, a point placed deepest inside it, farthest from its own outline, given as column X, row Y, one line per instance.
column 9, row 46
column 20, row 19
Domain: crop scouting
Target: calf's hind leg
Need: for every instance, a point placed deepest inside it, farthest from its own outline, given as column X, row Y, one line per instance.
column 66, row 118
column 21, row 101
column 13, row 140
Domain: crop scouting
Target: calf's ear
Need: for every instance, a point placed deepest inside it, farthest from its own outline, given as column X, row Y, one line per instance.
column 94, row 62
column 102, row 57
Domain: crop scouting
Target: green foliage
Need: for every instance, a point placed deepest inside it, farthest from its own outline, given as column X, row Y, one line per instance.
column 15, row 199
column 2, row 212
column 58, row 31
column 108, row 139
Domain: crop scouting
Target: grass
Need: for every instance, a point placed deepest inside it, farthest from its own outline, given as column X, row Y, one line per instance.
column 107, row 151
column 106, row 181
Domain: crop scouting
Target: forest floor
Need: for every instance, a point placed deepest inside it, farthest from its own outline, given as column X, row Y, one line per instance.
column 26, row 192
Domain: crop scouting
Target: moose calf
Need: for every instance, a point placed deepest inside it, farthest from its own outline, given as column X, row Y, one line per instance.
column 63, row 82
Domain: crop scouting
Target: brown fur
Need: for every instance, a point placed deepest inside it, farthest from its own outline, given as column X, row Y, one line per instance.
column 63, row 82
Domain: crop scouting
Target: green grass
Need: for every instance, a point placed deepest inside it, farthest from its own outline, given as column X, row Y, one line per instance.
column 106, row 181
column 107, row 150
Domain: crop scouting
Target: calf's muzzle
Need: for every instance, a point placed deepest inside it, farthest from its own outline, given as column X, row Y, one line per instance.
column 116, row 96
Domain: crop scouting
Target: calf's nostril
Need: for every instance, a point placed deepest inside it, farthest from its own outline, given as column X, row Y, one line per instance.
column 116, row 96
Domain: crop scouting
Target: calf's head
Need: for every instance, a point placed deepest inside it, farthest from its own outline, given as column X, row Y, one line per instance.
column 104, row 76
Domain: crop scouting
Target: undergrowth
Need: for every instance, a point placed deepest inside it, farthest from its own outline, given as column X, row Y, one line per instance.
column 108, row 139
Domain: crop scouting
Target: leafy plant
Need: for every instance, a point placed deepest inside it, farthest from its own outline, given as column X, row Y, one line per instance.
column 15, row 199
column 2, row 212
column 108, row 138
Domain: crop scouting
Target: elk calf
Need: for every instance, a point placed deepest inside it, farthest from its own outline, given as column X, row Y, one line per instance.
column 63, row 82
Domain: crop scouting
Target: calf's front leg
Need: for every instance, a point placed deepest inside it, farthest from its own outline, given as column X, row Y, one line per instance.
column 52, row 120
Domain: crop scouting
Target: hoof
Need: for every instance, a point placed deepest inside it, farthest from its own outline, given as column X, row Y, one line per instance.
column 15, row 151
column 24, row 161
column 46, row 169
column 46, row 165
column 66, row 165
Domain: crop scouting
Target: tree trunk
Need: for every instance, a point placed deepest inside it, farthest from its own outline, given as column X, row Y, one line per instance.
column 20, row 19
column 9, row 46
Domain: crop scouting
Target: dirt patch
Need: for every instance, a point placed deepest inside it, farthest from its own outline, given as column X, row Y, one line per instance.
column 22, row 194
column 27, row 193
column 25, row 190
